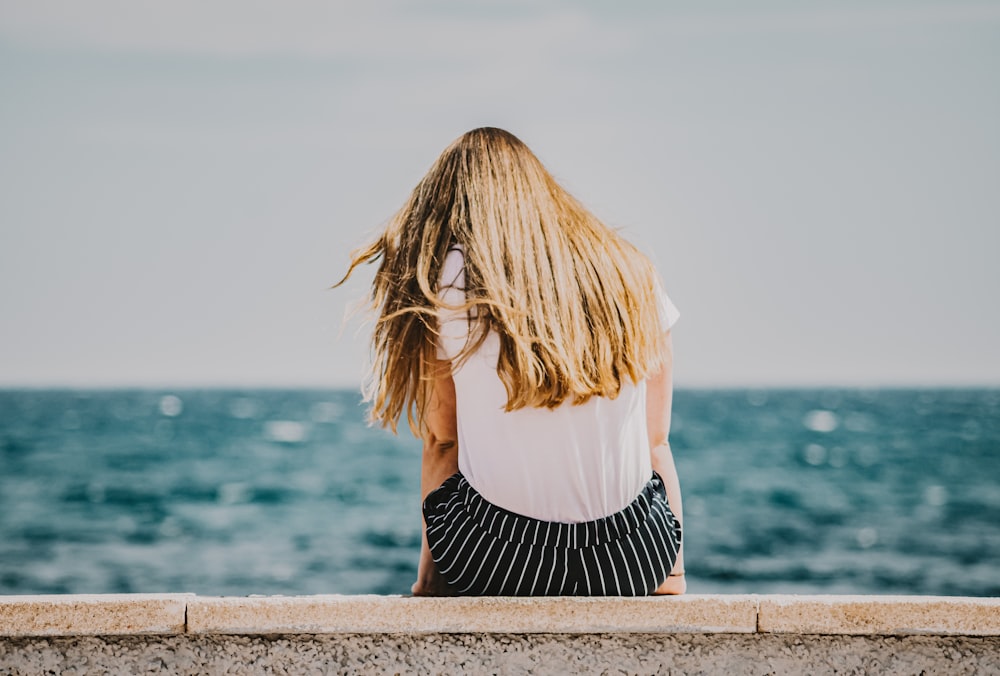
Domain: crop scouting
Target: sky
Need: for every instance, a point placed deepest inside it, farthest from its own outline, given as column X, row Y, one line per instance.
column 181, row 182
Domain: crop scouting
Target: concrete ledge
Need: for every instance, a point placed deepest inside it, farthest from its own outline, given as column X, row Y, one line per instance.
column 695, row 634
column 395, row 614
column 93, row 614
column 884, row 615
column 139, row 614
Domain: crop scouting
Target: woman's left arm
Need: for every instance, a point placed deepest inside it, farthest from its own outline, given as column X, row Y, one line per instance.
column 440, row 461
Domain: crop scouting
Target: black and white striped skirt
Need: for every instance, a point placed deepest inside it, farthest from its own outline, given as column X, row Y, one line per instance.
column 484, row 550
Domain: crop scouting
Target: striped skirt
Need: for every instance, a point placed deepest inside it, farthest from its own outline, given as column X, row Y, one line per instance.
column 485, row 550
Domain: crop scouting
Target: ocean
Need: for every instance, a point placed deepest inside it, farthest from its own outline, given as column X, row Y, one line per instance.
column 237, row 492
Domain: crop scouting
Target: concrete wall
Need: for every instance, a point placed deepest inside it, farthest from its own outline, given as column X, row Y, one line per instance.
column 748, row 634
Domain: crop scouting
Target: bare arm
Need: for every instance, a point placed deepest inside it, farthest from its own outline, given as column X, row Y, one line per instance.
column 659, row 397
column 440, row 461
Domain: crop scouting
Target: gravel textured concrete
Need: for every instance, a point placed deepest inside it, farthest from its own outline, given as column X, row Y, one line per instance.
column 504, row 654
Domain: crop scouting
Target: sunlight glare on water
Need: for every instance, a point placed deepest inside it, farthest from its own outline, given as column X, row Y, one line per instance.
column 171, row 405
column 820, row 421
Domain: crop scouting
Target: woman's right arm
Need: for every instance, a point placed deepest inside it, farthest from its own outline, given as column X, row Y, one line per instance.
column 440, row 461
column 659, row 399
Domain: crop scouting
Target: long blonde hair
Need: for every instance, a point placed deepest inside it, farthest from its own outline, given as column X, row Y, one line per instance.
column 574, row 304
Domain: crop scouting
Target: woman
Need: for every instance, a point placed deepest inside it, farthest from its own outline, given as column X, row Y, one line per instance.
column 529, row 346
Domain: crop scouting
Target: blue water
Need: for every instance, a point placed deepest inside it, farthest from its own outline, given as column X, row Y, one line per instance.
column 288, row 492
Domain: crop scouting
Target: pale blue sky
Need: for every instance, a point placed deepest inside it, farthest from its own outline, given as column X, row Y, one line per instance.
column 180, row 181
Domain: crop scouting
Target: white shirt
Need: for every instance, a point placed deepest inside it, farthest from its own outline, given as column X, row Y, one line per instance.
column 570, row 464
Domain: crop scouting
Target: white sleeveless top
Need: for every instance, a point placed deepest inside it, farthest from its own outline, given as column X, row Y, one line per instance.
column 569, row 464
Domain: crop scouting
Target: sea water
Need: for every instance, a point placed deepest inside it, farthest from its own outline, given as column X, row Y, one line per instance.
column 229, row 492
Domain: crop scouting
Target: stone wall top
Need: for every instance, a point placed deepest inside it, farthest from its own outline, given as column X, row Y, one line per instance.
column 888, row 615
column 513, row 615
column 125, row 614
column 93, row 614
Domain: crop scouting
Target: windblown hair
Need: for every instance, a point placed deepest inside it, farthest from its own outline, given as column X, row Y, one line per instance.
column 573, row 304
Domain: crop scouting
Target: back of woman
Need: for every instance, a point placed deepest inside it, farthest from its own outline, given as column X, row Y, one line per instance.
column 529, row 346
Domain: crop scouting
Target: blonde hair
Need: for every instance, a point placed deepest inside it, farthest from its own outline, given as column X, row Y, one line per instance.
column 574, row 304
